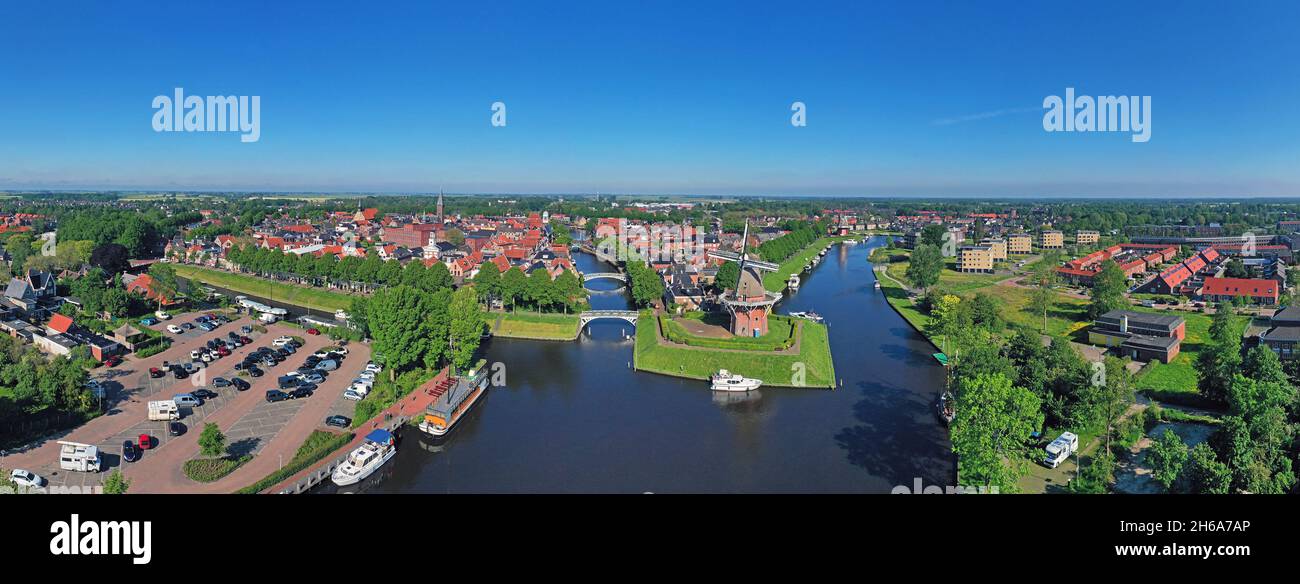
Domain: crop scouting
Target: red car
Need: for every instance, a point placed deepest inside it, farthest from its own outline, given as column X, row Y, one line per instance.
column 224, row 352
column 312, row 331
column 155, row 372
column 112, row 361
column 145, row 442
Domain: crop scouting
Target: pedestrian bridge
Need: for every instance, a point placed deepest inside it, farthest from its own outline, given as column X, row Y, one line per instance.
column 620, row 276
column 590, row 315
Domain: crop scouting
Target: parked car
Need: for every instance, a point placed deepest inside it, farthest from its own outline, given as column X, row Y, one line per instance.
column 26, row 478
column 360, row 388
column 341, row 351
column 113, row 361
column 180, row 373
column 312, row 331
column 129, row 452
column 176, row 428
column 338, row 421
column 240, row 384
column 220, row 382
column 175, row 330
column 352, row 395
column 301, row 391
column 275, row 395
column 203, row 393
column 145, row 441
column 289, row 348
column 254, row 371
column 195, row 354
column 313, row 377
column 373, row 368
column 163, row 315
column 155, row 372
column 246, row 329
column 189, row 326
column 148, row 321
column 187, row 400
column 281, row 341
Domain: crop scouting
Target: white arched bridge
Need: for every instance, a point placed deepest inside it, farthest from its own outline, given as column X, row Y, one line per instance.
column 589, row 276
column 625, row 315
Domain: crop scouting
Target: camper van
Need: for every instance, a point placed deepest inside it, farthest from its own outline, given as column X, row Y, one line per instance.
column 78, row 457
column 164, row 411
column 267, row 317
column 1060, row 449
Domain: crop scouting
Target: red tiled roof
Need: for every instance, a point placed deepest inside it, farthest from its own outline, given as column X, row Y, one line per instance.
column 1241, row 287
column 60, row 323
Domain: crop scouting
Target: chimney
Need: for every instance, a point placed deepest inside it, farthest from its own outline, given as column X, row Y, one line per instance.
column 1123, row 323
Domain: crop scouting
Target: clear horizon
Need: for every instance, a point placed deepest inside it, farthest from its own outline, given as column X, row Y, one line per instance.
column 924, row 100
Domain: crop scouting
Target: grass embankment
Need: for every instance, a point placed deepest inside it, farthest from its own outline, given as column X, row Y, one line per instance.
column 316, row 447
column 813, row 360
column 780, row 334
column 534, row 325
column 775, row 281
column 206, row 470
column 316, row 298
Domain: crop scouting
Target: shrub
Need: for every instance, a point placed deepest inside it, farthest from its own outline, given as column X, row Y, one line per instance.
column 316, row 447
column 206, row 470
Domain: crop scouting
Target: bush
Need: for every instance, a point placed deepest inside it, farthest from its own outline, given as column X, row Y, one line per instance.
column 206, row 470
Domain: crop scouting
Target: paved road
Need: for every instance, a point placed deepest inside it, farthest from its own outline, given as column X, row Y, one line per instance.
column 270, row 430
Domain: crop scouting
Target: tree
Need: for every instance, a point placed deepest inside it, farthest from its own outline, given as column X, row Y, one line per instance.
column 728, row 276
column 1236, row 269
column 944, row 318
column 925, row 266
column 115, row 483
column 1166, row 457
column 466, row 327
column 984, row 312
column 164, row 284
column 1109, row 401
column 989, row 434
column 1204, row 474
column 212, row 442
column 455, row 237
column 513, row 286
column 932, row 235
column 487, row 282
column 19, row 247
column 1219, row 359
column 399, row 323
column 1108, row 287
column 113, row 258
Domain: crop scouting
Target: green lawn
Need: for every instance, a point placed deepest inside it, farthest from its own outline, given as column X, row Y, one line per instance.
column 780, row 333
column 1179, row 376
column 775, row 281
column 533, row 325
column 813, row 361
column 316, row 298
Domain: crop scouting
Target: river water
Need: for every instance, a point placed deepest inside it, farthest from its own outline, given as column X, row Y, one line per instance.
column 574, row 417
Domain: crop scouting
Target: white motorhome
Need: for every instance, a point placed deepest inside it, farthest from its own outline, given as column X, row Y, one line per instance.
column 267, row 317
column 164, row 411
column 78, row 457
column 1060, row 449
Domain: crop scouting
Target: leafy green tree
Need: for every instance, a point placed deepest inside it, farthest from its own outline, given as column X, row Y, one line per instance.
column 1108, row 288
column 932, row 235
column 1166, row 457
column 466, row 326
column 924, row 267
column 115, row 483
column 212, row 442
column 398, row 319
column 513, row 286
column 1205, row 474
column 991, row 430
column 728, row 276
column 487, row 282
column 165, row 284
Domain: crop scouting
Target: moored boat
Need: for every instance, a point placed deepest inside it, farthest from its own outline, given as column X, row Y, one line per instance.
column 455, row 396
column 377, row 449
column 725, row 380
column 793, row 282
column 944, row 407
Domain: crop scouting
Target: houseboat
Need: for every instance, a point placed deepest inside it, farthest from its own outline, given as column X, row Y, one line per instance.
column 377, row 449
column 454, row 398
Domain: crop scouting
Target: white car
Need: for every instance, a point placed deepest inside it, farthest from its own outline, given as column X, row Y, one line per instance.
column 162, row 314
column 173, row 329
column 281, row 341
column 360, row 388
column 195, row 355
column 372, row 368
column 341, row 350
column 353, row 395
column 367, row 376
column 26, row 478
column 321, row 354
column 206, row 357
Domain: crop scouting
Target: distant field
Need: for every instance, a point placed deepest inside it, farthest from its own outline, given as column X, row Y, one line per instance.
column 278, row 291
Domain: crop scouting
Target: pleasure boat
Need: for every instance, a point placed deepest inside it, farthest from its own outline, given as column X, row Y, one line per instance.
column 378, row 448
column 725, row 380
column 810, row 315
column 877, row 285
column 455, row 397
column 793, row 282
column 944, row 408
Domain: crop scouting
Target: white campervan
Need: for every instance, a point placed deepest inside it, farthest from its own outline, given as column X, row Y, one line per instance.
column 1060, row 449
column 78, row 457
column 164, row 411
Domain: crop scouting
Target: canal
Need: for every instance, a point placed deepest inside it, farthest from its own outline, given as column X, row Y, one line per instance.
column 574, row 417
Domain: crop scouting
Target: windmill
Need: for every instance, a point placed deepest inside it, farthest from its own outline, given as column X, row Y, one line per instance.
column 749, row 303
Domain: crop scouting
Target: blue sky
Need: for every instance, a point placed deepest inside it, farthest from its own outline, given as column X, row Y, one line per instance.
column 903, row 98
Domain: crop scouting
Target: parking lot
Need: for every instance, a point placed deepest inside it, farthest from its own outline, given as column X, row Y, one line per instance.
column 252, row 425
